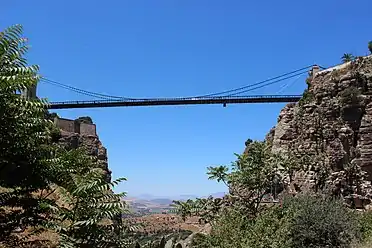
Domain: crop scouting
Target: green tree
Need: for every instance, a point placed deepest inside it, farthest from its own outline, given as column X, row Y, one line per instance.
column 254, row 176
column 87, row 213
column 24, row 138
column 33, row 168
column 347, row 57
column 370, row 46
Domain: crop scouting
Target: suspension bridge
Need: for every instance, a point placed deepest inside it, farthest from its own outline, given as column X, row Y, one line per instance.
column 232, row 96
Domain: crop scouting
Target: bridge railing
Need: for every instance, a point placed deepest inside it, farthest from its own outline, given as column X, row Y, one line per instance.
column 178, row 99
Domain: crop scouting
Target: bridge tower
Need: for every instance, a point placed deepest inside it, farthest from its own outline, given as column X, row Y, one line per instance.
column 29, row 93
column 314, row 70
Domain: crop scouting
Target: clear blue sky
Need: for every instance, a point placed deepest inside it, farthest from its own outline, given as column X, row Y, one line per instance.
column 175, row 48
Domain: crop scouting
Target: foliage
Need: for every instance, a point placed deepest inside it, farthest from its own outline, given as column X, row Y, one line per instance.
column 306, row 97
column 320, row 221
column 24, row 139
column 255, row 176
column 370, row 46
column 347, row 57
column 234, row 229
column 41, row 185
column 88, row 207
column 304, row 221
column 207, row 209
column 365, row 225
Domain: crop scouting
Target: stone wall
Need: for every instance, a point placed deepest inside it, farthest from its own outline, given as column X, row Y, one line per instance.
column 75, row 126
column 82, row 133
column 87, row 129
column 66, row 125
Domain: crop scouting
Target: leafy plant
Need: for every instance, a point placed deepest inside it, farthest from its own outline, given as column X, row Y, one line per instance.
column 255, row 176
column 365, row 225
column 25, row 145
column 306, row 97
column 205, row 209
column 347, row 57
column 86, row 212
column 320, row 221
column 303, row 221
column 370, row 46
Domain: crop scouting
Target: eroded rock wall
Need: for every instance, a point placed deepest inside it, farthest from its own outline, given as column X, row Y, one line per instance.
column 334, row 118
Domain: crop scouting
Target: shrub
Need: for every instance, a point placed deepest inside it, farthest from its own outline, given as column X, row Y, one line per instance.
column 304, row 221
column 306, row 97
column 320, row 221
column 370, row 46
column 365, row 225
column 229, row 231
column 270, row 229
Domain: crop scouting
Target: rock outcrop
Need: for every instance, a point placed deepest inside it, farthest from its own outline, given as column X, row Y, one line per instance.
column 332, row 124
column 81, row 133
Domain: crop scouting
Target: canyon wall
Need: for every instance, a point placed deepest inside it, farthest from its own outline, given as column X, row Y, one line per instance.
column 332, row 123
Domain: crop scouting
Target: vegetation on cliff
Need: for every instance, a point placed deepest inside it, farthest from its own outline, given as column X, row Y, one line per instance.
column 347, row 57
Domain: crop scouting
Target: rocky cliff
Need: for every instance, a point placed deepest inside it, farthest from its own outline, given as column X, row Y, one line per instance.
column 81, row 133
column 332, row 124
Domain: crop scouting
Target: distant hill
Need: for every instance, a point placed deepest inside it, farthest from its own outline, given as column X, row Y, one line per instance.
column 162, row 201
column 151, row 197
column 147, row 203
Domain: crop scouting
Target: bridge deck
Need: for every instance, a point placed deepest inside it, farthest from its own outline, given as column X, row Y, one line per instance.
column 174, row 101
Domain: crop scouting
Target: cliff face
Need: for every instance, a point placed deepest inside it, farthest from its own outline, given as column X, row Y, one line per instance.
column 82, row 133
column 332, row 122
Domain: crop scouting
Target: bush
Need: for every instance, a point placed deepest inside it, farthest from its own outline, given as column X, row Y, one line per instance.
column 365, row 225
column 270, row 229
column 306, row 97
column 234, row 230
column 320, row 221
column 304, row 221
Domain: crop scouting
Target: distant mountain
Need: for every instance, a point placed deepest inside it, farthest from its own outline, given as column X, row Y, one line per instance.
column 144, row 196
column 150, row 197
column 183, row 197
column 162, row 201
